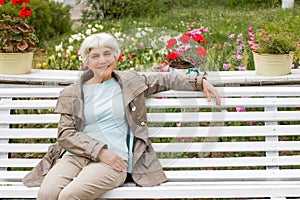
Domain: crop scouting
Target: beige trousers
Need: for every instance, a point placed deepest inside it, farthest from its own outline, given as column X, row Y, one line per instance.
column 75, row 177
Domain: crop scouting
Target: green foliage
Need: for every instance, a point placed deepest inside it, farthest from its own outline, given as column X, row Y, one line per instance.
column 49, row 19
column 116, row 9
column 16, row 35
column 273, row 42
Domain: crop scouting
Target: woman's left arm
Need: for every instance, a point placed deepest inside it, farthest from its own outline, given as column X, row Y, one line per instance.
column 159, row 82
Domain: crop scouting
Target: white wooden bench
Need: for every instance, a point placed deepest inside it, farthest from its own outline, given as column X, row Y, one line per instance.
column 212, row 154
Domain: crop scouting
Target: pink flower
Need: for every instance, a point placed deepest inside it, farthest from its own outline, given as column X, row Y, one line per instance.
column 231, row 36
column 250, row 29
column 240, row 109
column 241, row 68
column 226, row 66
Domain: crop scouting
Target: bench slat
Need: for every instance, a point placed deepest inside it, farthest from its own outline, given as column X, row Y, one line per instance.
column 30, row 92
column 238, row 91
column 226, row 102
column 223, row 116
column 170, row 103
column 178, row 191
column 202, row 175
column 173, row 132
column 227, row 91
column 189, row 162
column 29, row 104
column 183, row 147
column 224, row 131
column 170, row 117
column 28, row 133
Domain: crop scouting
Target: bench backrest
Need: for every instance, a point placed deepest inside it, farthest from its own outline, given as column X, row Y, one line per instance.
column 254, row 135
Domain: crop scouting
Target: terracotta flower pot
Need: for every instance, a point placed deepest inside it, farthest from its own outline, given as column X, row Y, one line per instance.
column 15, row 63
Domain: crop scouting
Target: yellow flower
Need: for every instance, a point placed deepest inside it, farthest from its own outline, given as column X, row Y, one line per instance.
column 44, row 64
column 73, row 57
column 52, row 58
column 38, row 65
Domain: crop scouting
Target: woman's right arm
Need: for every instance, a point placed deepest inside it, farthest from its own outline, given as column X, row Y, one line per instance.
column 77, row 142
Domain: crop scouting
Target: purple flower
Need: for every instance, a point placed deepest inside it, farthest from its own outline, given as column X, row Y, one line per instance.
column 226, row 66
column 250, row 29
column 241, row 68
column 240, row 109
column 231, row 36
column 239, row 58
column 238, row 41
column 293, row 66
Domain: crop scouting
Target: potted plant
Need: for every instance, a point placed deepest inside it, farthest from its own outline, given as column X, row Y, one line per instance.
column 186, row 53
column 273, row 51
column 17, row 40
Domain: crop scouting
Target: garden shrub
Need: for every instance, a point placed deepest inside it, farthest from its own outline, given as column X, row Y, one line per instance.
column 116, row 9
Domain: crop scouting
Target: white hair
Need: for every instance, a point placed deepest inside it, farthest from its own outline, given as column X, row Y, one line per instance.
column 97, row 41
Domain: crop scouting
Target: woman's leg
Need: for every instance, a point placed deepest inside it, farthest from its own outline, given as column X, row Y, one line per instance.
column 94, row 180
column 60, row 175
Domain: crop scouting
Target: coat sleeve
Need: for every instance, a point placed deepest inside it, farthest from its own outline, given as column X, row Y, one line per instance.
column 68, row 136
column 159, row 82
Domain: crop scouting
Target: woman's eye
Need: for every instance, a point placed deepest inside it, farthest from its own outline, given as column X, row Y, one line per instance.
column 94, row 56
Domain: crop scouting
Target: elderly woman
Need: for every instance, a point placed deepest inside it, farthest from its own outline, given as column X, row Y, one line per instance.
column 102, row 131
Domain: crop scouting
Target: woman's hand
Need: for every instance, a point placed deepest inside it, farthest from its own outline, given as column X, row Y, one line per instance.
column 208, row 89
column 112, row 159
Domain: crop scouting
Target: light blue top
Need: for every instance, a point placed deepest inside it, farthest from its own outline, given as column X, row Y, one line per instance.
column 105, row 118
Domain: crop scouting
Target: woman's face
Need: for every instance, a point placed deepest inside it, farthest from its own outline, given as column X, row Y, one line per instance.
column 100, row 60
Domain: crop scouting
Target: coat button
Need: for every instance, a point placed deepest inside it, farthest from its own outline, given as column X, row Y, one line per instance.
column 133, row 108
column 143, row 123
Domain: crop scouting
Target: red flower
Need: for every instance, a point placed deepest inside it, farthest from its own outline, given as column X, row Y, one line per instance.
column 171, row 42
column 25, row 12
column 19, row 2
column 199, row 38
column 173, row 55
column 1, row 2
column 120, row 58
column 201, row 51
column 131, row 55
column 185, row 38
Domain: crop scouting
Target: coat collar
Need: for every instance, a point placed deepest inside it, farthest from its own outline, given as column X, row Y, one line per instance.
column 131, row 82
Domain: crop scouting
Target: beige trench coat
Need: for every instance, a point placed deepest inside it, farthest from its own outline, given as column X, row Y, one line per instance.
column 146, row 169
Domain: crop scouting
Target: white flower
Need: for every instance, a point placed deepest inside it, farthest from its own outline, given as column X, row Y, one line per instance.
column 139, row 29
column 59, row 47
column 118, row 35
column 144, row 33
column 100, row 27
column 138, row 35
column 88, row 32
column 71, row 40
column 59, row 54
column 70, row 48
column 89, row 26
column 94, row 30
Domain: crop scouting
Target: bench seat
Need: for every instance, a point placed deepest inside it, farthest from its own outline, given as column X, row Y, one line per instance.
column 247, row 148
